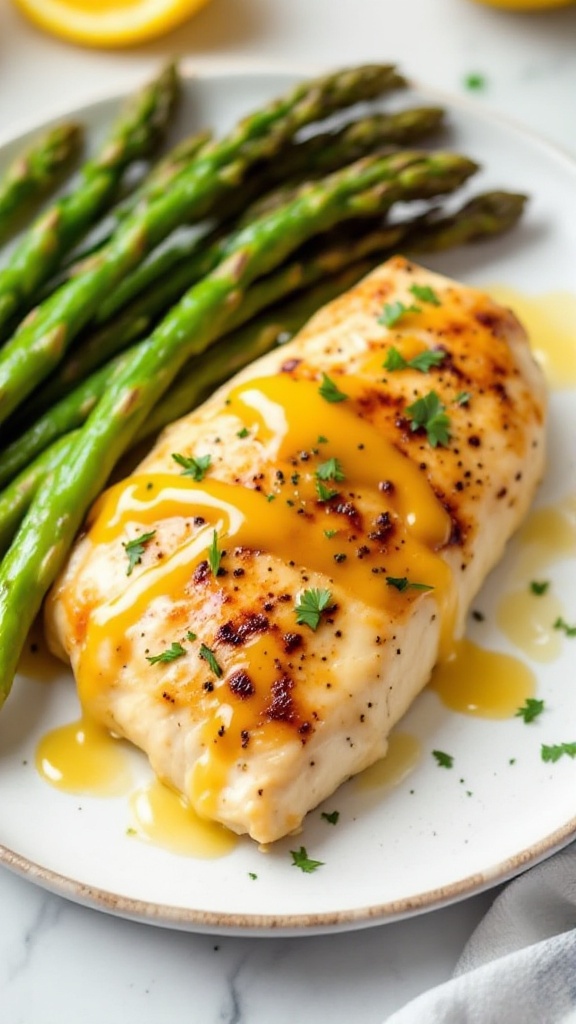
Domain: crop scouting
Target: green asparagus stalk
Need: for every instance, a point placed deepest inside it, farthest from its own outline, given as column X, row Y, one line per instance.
column 318, row 156
column 485, row 216
column 401, row 176
column 160, row 177
column 481, row 218
column 40, row 343
column 74, row 407
column 45, row 536
column 234, row 352
column 34, row 172
column 133, row 136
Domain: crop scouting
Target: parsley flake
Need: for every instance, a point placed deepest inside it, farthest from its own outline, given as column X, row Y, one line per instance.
column 194, row 467
column 310, row 606
column 394, row 311
column 330, row 533
column 425, row 293
column 208, row 655
column 331, row 470
column 428, row 412
column 557, row 750
column 190, row 636
column 300, row 859
column 325, row 493
column 321, row 439
column 252, row 875
column 136, row 548
column 330, row 391
column 403, row 583
column 539, row 587
column 563, row 625
column 423, row 362
column 463, row 398
column 331, row 818
column 475, row 81
column 170, row 654
column 214, row 554
column 444, row 760
column 242, row 433
column 530, row 709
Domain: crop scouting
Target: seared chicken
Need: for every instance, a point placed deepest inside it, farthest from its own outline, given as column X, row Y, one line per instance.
column 261, row 601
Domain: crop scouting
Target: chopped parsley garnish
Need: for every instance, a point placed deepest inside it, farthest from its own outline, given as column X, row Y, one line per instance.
column 403, row 583
column 428, row 412
column 170, row 654
column 136, row 548
column 190, row 636
column 321, row 439
column 208, row 655
column 530, row 709
column 214, row 554
column 444, row 760
column 539, row 587
column 330, row 391
column 557, row 750
column 310, row 606
column 331, row 818
column 462, row 398
column 475, row 81
column 330, row 533
column 423, row 362
column 425, row 293
column 331, row 470
column 194, row 467
column 300, row 859
column 325, row 493
column 394, row 311
column 242, row 433
column 252, row 875
column 563, row 625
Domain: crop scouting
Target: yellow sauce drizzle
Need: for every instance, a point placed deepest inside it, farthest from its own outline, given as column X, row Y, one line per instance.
column 548, row 535
column 550, row 321
column 528, row 621
column 82, row 757
column 403, row 754
column 482, row 683
column 163, row 817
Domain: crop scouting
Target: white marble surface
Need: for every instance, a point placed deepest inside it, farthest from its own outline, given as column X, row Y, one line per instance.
column 60, row 962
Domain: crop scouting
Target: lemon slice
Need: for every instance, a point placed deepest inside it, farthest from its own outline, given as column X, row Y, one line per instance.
column 109, row 23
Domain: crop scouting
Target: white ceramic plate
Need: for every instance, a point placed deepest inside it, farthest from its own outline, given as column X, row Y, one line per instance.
column 394, row 852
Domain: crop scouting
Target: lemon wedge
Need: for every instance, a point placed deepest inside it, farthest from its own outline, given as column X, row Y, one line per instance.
column 109, row 23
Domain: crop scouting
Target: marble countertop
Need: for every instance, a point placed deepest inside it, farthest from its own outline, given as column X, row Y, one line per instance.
column 60, row 962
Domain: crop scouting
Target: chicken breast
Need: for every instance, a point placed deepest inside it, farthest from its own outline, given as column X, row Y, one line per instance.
column 260, row 602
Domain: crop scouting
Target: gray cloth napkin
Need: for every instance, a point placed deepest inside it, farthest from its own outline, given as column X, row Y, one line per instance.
column 519, row 966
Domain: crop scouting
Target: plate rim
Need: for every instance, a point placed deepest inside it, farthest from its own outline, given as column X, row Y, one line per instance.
column 316, row 922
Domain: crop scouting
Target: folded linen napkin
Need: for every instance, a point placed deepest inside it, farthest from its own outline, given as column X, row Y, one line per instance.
column 519, row 966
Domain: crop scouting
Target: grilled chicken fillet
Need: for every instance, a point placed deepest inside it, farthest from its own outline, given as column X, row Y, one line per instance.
column 258, row 612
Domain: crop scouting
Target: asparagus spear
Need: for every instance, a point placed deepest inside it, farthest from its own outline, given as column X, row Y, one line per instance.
column 134, row 134
column 319, row 155
column 41, row 341
column 483, row 217
column 160, row 177
column 37, row 170
column 409, row 175
column 42, row 542
column 234, row 352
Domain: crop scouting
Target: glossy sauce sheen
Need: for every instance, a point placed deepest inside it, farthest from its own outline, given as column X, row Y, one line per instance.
column 551, row 324
column 82, row 757
column 398, row 509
